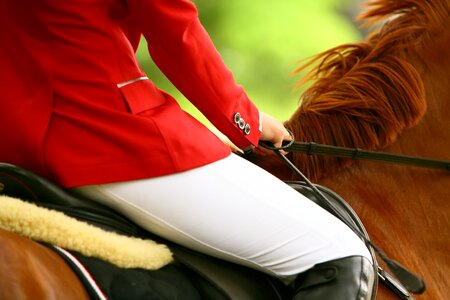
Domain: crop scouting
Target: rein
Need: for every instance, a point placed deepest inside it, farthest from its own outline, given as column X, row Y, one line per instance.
column 311, row 148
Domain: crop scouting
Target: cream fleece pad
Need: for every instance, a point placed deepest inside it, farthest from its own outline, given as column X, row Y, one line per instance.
column 56, row 228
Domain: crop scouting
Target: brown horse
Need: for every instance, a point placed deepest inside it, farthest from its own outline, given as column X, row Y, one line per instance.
column 392, row 93
column 32, row 271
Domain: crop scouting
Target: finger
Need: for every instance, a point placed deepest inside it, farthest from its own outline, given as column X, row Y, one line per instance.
column 287, row 136
column 279, row 144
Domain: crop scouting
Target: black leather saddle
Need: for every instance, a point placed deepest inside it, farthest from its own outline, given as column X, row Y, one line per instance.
column 211, row 277
column 215, row 279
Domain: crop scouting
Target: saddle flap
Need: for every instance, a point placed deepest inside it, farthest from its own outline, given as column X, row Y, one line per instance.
column 234, row 281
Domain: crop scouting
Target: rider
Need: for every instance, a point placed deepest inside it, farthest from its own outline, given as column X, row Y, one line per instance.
column 77, row 108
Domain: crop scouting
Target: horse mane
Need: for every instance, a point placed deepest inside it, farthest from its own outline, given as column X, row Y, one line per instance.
column 364, row 94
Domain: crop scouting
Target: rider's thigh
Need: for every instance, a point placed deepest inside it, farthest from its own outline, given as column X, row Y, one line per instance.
column 234, row 210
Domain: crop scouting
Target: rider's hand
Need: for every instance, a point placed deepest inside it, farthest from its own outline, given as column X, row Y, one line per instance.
column 273, row 131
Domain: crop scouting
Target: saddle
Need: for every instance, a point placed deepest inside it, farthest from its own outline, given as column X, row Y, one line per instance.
column 210, row 277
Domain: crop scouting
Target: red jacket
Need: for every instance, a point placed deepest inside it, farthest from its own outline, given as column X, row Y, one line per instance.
column 76, row 107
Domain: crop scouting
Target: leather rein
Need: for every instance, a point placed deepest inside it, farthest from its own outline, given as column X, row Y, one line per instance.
column 311, row 148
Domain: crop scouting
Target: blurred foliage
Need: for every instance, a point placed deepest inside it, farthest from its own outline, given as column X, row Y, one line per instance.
column 263, row 41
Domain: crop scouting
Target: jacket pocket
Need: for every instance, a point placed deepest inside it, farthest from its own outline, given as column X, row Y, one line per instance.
column 141, row 94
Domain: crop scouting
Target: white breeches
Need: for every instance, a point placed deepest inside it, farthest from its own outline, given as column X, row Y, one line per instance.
column 234, row 210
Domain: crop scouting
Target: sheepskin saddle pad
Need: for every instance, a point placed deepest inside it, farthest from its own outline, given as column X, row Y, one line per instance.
column 54, row 227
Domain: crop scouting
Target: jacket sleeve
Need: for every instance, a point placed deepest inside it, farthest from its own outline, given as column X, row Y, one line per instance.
column 183, row 50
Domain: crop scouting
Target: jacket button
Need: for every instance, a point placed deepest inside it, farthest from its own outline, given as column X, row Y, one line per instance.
column 237, row 118
column 241, row 123
column 247, row 129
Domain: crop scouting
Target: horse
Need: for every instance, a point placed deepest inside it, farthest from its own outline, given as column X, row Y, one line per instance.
column 388, row 93
column 48, row 277
column 391, row 92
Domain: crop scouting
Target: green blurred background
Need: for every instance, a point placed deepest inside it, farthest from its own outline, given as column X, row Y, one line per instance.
column 262, row 42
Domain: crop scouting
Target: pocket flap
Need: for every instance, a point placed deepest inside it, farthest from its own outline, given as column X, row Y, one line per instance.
column 142, row 95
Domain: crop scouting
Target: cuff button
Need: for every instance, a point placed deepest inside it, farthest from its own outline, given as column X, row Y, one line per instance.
column 247, row 129
column 241, row 123
column 237, row 118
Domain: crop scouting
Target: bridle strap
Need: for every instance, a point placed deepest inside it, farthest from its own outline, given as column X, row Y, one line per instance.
column 311, row 148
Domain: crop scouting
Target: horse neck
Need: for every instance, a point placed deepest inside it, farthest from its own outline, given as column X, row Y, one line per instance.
column 427, row 50
column 381, row 95
column 380, row 70
column 431, row 137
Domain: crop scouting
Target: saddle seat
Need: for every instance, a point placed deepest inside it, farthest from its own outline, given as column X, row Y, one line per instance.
column 213, row 278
